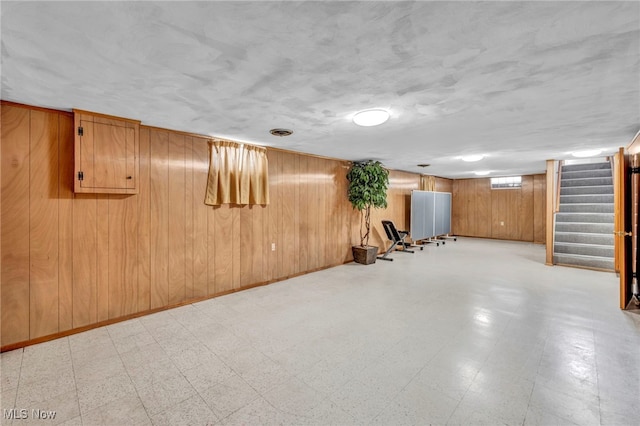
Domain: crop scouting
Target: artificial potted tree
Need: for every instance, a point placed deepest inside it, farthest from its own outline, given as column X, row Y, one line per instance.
column 368, row 182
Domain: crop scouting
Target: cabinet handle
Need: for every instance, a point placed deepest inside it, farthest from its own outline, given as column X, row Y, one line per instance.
column 129, row 177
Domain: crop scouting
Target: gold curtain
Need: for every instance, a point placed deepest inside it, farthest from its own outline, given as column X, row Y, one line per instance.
column 427, row 183
column 238, row 174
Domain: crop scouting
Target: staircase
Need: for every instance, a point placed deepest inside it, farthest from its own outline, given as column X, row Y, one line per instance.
column 584, row 223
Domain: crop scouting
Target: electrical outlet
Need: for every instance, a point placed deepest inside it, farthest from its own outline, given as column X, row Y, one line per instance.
column 273, row 246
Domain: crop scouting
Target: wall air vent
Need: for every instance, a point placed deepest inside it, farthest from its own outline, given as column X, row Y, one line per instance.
column 281, row 132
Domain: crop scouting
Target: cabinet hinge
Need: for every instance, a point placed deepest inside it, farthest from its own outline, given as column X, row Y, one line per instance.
column 80, row 131
column 80, row 176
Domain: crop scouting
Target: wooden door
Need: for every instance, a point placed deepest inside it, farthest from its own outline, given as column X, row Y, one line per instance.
column 106, row 159
column 108, row 145
column 622, row 240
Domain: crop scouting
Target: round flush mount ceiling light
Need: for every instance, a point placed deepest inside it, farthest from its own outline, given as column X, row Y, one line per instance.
column 281, row 132
column 586, row 153
column 482, row 172
column 472, row 158
column 371, row 117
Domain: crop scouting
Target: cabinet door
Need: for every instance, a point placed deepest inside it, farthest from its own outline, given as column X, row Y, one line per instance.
column 107, row 154
column 109, row 157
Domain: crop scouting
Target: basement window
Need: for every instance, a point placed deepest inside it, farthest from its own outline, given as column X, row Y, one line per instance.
column 510, row 182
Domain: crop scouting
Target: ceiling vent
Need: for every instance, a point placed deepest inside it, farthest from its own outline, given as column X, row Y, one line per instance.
column 281, row 132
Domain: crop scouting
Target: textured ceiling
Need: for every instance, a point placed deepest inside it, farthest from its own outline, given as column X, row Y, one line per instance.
column 521, row 82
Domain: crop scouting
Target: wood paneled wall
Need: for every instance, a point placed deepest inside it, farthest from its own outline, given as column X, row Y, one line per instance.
column 509, row 214
column 77, row 260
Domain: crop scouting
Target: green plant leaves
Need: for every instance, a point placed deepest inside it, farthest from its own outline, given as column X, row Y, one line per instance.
column 368, row 185
column 368, row 182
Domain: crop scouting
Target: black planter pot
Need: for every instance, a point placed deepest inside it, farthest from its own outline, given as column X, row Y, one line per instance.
column 364, row 255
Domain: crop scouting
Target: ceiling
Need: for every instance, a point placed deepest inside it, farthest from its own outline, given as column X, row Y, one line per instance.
column 520, row 82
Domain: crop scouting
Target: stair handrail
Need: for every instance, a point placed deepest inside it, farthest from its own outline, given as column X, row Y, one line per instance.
column 556, row 208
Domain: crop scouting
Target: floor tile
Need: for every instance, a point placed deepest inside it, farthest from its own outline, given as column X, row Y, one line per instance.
column 228, row 396
column 208, row 373
column 569, row 407
column 127, row 409
column 192, row 411
column 361, row 401
column 160, row 396
column 96, row 394
column 294, row 397
column 417, row 406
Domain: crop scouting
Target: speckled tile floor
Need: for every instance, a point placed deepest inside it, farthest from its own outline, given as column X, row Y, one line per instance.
column 473, row 332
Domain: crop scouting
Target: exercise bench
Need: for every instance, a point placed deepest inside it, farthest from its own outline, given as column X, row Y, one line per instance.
column 397, row 240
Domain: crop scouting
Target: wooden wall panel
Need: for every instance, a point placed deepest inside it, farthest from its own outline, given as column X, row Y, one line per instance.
column 323, row 211
column 294, row 182
column 539, row 208
column 313, row 213
column 235, row 253
column 526, row 213
column 505, row 209
column 201, row 247
column 144, row 222
column 65, row 224
column 303, row 220
column 15, row 224
column 479, row 211
column 43, row 224
column 459, row 209
column 444, row 185
column 122, row 256
column 347, row 213
column 116, row 257
column 274, row 214
column 333, row 211
column 288, row 225
column 177, row 218
column 85, row 253
column 482, row 207
column 465, row 206
column 246, row 246
column 102, row 259
column 189, row 227
column 259, row 247
column 221, row 258
column 159, row 190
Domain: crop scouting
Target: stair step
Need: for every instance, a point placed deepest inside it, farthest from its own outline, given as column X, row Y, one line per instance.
column 587, row 189
column 583, row 249
column 578, row 174
column 584, row 217
column 590, row 181
column 586, row 208
column 584, row 238
column 586, row 198
column 586, row 261
column 585, row 228
column 586, row 166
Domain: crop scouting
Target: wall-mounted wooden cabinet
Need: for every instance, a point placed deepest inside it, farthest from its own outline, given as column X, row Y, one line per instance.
column 106, row 154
